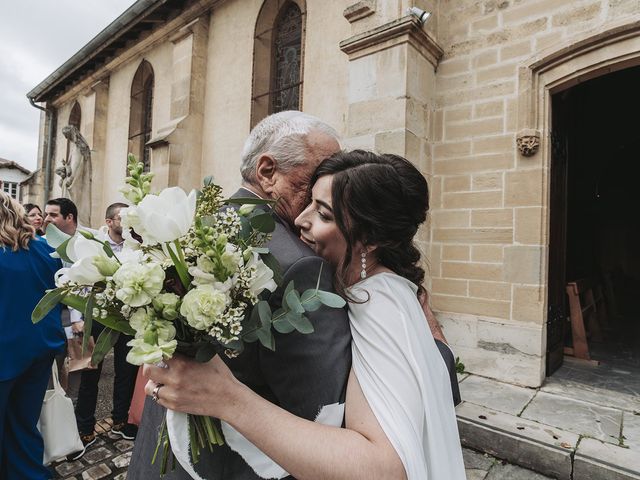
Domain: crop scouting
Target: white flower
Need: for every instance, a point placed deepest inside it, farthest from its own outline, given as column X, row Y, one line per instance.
column 137, row 284
column 142, row 352
column 140, row 320
column 131, row 220
column 203, row 305
column 231, row 258
column 167, row 216
column 90, row 262
column 167, row 305
column 131, row 193
column 203, row 275
column 262, row 278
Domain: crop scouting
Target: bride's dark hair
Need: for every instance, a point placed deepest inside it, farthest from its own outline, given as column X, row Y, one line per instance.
column 378, row 200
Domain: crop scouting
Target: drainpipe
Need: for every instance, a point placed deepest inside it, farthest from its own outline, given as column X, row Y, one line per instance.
column 50, row 121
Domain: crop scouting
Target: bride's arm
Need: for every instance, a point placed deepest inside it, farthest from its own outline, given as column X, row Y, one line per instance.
column 305, row 449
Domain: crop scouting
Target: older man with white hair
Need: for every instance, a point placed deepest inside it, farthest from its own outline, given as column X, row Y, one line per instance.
column 306, row 374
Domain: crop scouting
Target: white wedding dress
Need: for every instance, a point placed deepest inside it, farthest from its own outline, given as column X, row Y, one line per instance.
column 404, row 377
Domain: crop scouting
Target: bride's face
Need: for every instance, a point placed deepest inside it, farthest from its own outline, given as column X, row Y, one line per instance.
column 318, row 228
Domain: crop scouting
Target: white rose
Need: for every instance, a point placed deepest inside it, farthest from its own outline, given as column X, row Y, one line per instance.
column 203, row 305
column 137, row 284
column 167, row 216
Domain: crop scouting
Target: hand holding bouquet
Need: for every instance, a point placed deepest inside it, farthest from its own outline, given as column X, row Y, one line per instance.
column 189, row 280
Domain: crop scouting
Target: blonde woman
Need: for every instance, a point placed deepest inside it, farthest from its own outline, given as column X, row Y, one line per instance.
column 26, row 350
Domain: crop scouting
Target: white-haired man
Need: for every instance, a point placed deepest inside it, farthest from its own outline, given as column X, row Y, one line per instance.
column 306, row 372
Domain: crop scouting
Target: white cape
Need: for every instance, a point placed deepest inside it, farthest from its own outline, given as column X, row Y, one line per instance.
column 404, row 377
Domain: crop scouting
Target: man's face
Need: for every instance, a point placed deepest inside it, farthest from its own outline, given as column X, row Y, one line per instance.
column 65, row 224
column 291, row 187
column 114, row 224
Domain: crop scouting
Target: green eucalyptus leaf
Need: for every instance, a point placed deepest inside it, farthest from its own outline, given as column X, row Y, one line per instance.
column 208, row 180
column 106, row 340
column 310, row 300
column 46, row 303
column 250, row 337
column 301, row 324
column 331, row 299
column 205, row 353
column 283, row 325
column 289, row 288
column 263, row 222
column 293, row 301
column 264, row 311
column 260, row 250
column 266, row 338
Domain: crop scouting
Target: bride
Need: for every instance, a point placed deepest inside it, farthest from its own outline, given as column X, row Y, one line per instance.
column 399, row 418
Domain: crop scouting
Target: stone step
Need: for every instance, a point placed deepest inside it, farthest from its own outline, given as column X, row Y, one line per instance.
column 545, row 449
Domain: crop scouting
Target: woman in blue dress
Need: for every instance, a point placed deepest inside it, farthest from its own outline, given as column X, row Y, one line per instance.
column 26, row 350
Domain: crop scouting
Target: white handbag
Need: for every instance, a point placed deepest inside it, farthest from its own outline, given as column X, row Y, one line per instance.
column 58, row 423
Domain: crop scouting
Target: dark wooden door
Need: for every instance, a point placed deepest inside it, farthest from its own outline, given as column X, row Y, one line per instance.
column 557, row 297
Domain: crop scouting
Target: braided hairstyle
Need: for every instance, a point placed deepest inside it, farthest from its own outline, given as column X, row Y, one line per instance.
column 378, row 200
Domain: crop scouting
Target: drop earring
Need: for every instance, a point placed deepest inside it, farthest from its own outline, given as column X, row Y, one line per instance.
column 363, row 261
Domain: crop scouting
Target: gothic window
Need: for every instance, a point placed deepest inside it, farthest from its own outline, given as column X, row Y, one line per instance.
column 140, row 114
column 287, row 51
column 277, row 58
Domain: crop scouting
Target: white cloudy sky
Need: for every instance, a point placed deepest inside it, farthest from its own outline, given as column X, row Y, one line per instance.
column 36, row 37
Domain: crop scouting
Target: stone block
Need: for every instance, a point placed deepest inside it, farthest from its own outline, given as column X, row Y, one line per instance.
column 472, row 271
column 68, row 468
column 496, row 73
column 485, row 24
column 523, row 264
column 452, row 149
column 515, row 51
column 474, row 164
column 595, row 460
column 518, row 14
column 450, row 218
column 578, row 14
column 460, row 329
column 447, row 286
column 457, row 82
column 487, row 253
column 123, row 460
column 96, row 455
column 508, row 471
column 453, row 66
column 510, row 339
column 96, row 472
column 124, row 445
column 530, row 226
column 472, row 199
column 457, row 183
column 473, row 235
column 492, row 108
column 435, row 193
column 477, row 306
column 503, row 144
column 528, row 304
column 487, row 181
column 485, row 58
column 631, row 428
column 529, row 444
column 391, row 72
column 474, row 128
column 476, row 461
column 490, row 290
column 575, row 416
column 524, row 188
column 457, row 114
column 365, row 117
column 495, row 217
column 437, row 126
column 362, row 79
column 549, row 40
column 498, row 396
column 458, row 253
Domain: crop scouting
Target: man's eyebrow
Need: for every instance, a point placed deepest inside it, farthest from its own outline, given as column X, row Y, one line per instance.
column 324, row 204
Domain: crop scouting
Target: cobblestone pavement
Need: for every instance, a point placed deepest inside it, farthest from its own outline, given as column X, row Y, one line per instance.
column 108, row 459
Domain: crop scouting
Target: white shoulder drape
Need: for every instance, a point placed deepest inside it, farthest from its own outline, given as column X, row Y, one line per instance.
column 404, row 377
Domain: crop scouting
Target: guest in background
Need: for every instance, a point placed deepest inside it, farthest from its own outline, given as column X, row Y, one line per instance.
column 35, row 217
column 26, row 350
column 125, row 373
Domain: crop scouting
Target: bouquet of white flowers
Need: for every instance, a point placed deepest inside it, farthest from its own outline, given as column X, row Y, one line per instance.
column 188, row 280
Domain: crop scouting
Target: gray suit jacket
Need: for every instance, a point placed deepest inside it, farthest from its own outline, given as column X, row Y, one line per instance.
column 304, row 373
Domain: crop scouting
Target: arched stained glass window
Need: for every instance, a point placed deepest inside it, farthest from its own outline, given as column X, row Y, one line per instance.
column 287, row 54
column 278, row 52
column 141, row 113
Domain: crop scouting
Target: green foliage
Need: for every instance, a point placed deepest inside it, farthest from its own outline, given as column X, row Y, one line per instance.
column 106, row 340
column 46, row 303
column 459, row 365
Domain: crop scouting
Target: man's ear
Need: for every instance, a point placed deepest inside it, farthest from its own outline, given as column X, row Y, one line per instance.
column 266, row 173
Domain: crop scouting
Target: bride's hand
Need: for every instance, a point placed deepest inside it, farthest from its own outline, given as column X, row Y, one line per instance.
column 191, row 387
